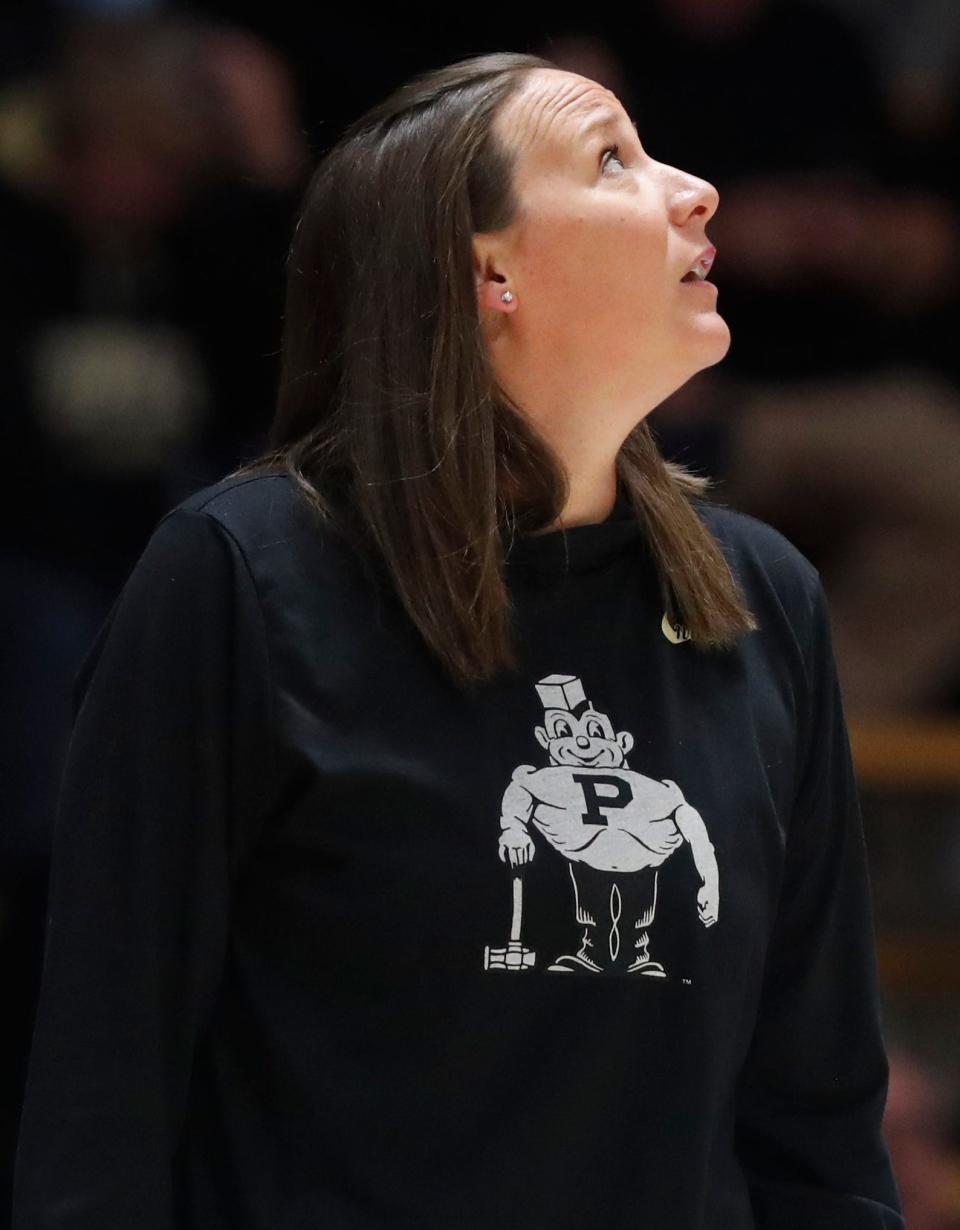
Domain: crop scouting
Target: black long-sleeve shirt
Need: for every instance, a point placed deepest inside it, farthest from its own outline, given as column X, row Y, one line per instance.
column 332, row 944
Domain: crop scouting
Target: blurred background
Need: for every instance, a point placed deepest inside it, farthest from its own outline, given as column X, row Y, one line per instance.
column 152, row 157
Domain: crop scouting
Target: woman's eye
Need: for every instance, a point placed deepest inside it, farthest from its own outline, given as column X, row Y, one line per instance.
column 611, row 149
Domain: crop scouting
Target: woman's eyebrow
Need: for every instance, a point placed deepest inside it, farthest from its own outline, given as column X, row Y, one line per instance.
column 608, row 120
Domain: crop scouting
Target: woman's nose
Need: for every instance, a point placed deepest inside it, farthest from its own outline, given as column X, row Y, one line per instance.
column 694, row 196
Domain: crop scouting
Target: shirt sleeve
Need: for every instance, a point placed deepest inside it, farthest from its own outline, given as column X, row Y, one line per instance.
column 813, row 1087
column 167, row 774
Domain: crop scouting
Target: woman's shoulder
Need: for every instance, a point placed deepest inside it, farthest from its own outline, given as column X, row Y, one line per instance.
column 252, row 508
column 270, row 521
column 762, row 557
column 266, row 514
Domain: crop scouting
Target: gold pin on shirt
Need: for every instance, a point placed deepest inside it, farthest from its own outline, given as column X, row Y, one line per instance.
column 675, row 633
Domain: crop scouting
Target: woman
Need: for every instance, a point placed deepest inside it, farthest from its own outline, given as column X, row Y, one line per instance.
column 459, row 826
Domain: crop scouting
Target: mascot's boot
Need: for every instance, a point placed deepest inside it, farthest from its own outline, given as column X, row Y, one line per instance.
column 582, row 961
column 642, row 964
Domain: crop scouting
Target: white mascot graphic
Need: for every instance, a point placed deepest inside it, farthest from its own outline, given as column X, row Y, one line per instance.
column 614, row 826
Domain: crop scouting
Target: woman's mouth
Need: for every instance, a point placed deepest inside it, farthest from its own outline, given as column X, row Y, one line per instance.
column 700, row 270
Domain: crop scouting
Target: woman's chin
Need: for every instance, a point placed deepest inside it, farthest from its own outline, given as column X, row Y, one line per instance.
column 713, row 337
column 708, row 346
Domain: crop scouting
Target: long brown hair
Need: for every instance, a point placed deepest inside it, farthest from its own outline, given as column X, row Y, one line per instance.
column 388, row 416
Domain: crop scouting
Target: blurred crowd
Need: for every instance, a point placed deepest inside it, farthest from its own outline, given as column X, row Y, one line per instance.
column 152, row 157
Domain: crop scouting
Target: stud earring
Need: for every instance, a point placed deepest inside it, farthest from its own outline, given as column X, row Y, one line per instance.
column 507, row 296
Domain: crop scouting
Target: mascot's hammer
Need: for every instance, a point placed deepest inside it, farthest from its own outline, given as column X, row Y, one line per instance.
column 514, row 956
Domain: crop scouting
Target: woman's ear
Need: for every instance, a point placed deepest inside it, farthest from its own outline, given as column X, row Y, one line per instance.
column 491, row 284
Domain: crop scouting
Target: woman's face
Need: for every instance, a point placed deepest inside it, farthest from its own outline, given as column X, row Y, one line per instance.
column 596, row 256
